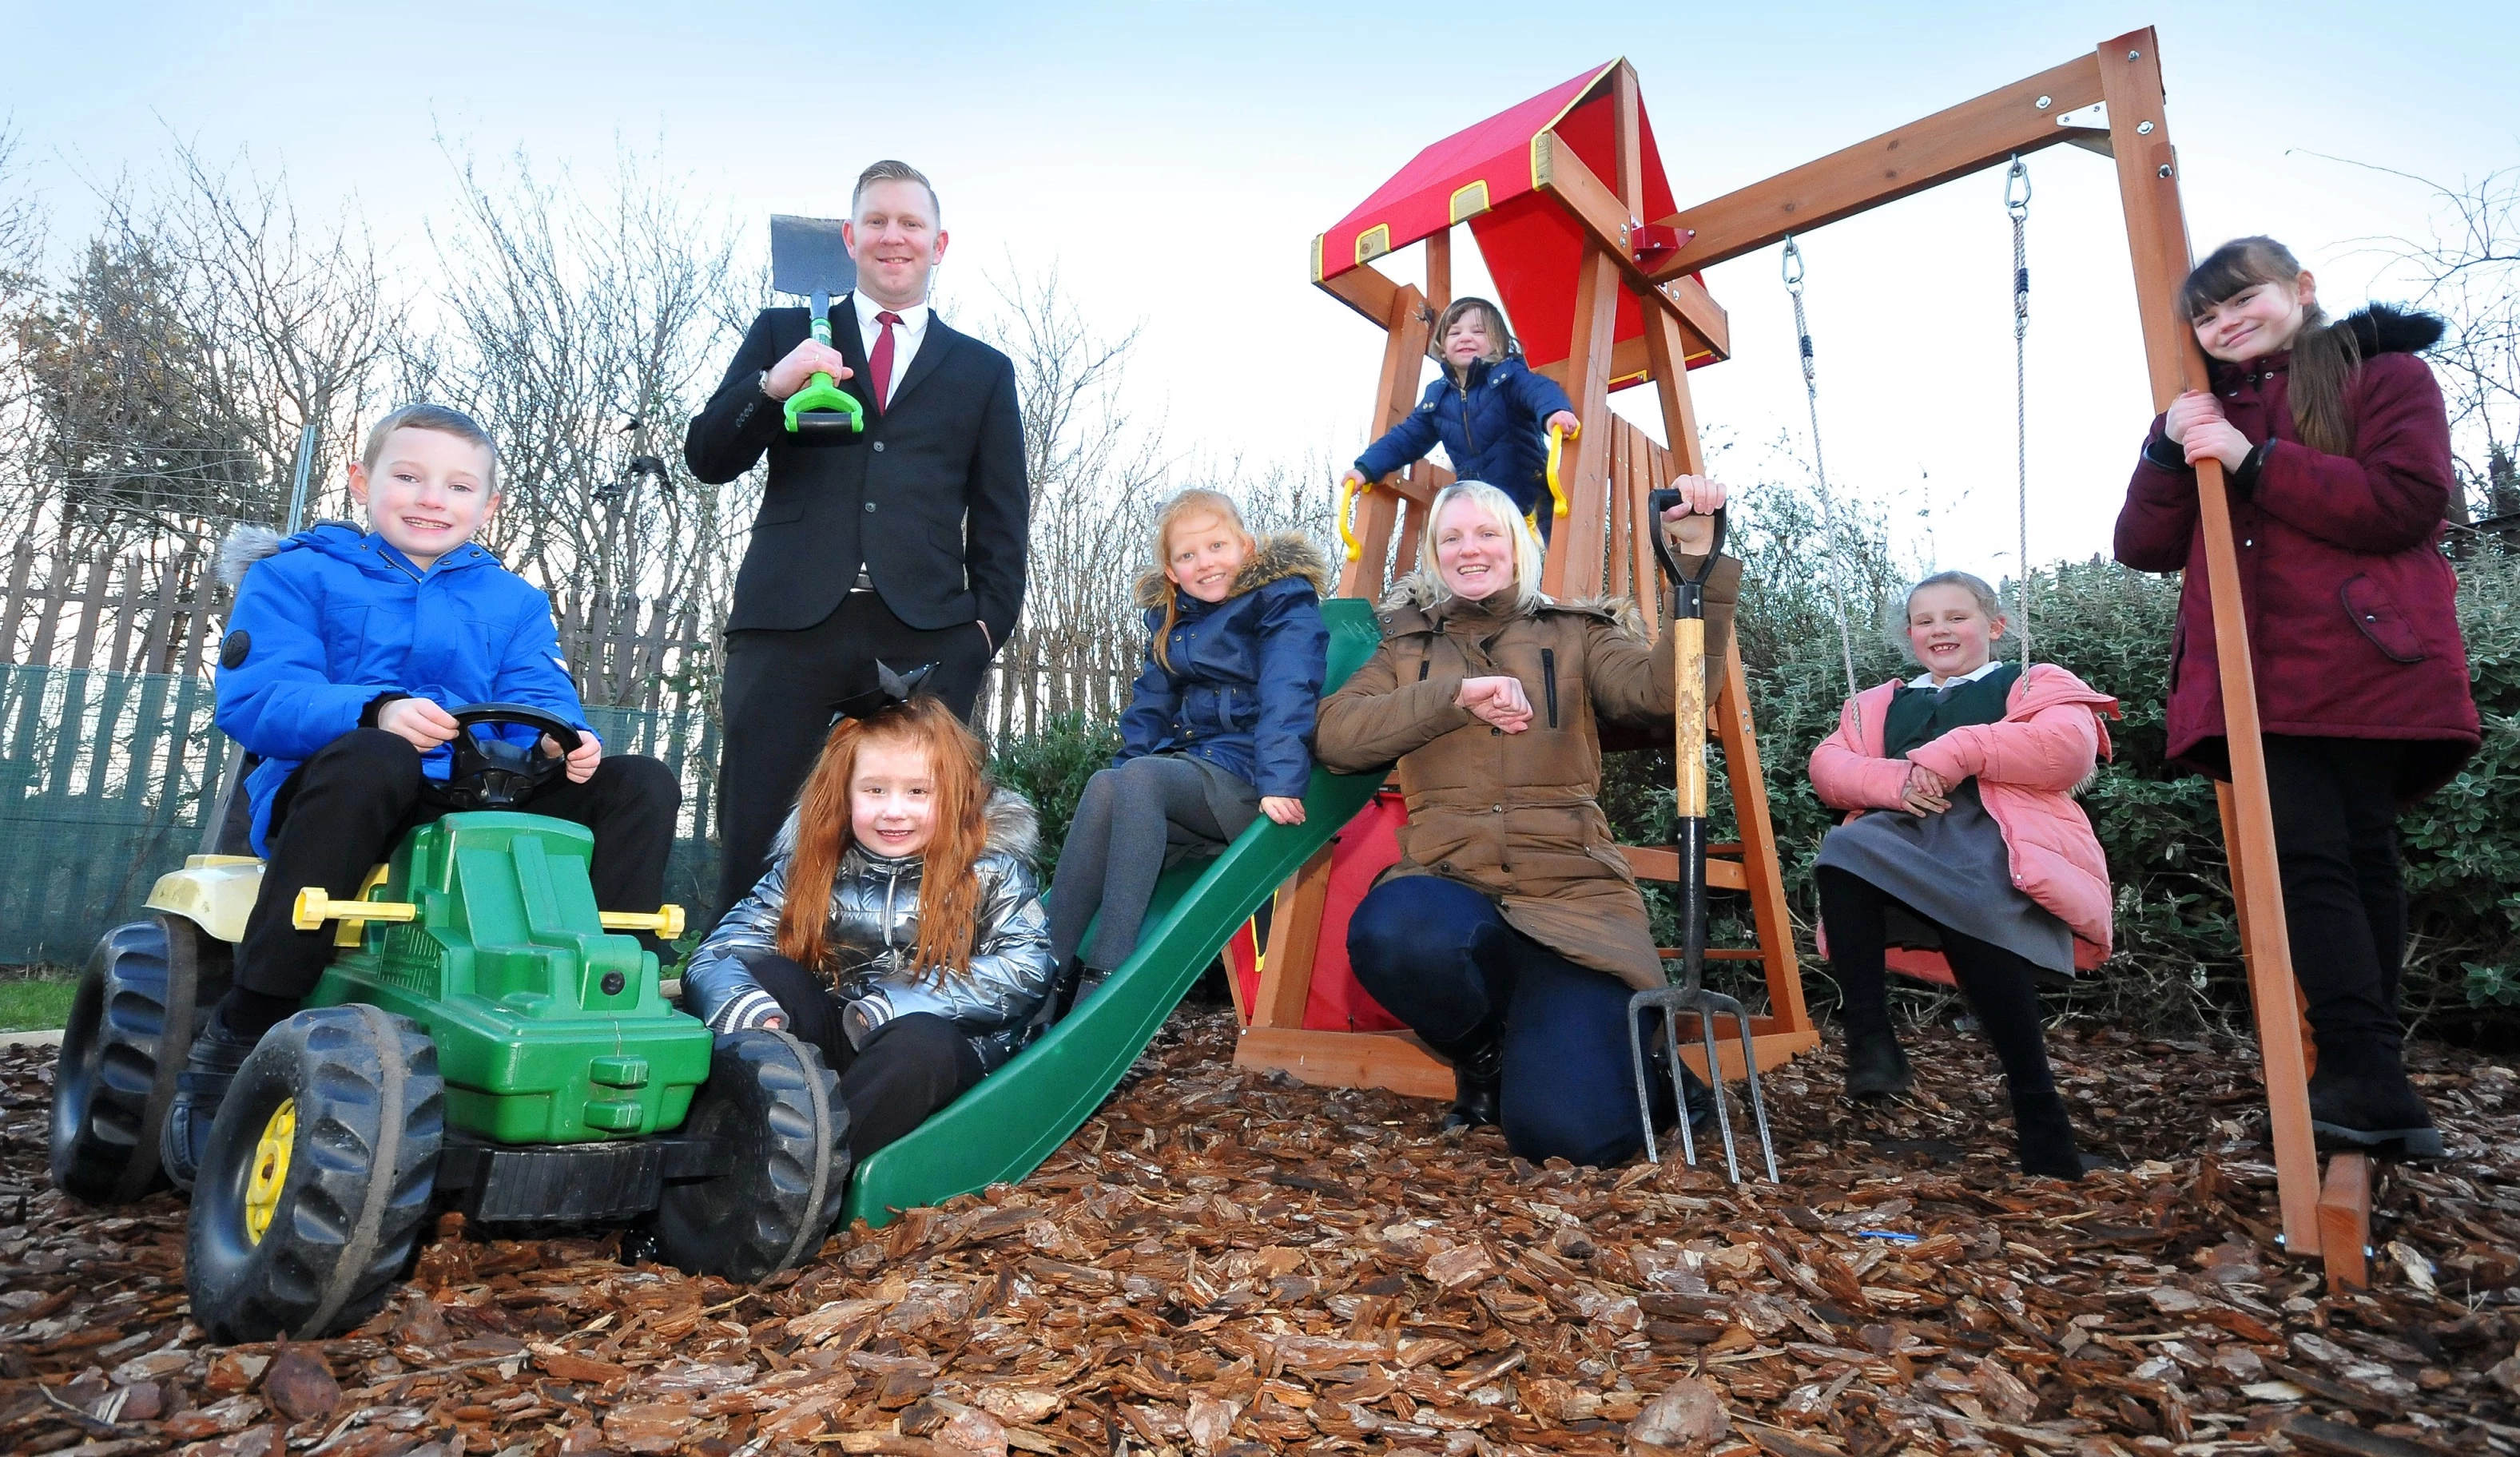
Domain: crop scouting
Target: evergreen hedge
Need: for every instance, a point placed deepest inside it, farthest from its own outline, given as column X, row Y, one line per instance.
column 2178, row 961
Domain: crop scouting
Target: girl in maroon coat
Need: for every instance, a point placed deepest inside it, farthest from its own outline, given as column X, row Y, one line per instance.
column 2336, row 456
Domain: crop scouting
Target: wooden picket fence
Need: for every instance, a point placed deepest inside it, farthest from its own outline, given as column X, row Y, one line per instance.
column 146, row 611
column 109, row 757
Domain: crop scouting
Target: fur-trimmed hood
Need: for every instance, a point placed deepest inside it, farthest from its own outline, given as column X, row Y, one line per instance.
column 245, row 546
column 1011, row 828
column 1289, row 553
column 345, row 541
column 2380, row 329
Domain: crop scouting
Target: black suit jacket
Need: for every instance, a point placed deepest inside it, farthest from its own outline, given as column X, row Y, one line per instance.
column 931, row 500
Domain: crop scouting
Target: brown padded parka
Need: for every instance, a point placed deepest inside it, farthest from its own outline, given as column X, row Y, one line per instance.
column 1515, row 816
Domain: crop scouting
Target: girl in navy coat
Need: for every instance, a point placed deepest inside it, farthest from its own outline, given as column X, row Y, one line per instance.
column 1218, row 733
column 1488, row 410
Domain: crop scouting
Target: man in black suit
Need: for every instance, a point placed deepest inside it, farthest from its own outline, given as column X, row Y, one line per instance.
column 904, row 544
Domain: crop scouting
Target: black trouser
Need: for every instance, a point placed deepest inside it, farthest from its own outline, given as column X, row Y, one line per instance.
column 912, row 1067
column 2345, row 900
column 341, row 813
column 781, row 690
column 2000, row 984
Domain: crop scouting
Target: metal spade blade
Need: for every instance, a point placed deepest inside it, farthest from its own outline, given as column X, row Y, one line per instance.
column 807, row 256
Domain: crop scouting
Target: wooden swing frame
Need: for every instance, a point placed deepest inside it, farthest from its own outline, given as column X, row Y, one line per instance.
column 1600, row 545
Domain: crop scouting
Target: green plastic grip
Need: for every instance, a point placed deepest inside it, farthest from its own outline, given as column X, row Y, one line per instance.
column 823, row 397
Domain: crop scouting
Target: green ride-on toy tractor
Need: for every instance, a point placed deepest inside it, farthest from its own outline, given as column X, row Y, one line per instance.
column 484, row 1040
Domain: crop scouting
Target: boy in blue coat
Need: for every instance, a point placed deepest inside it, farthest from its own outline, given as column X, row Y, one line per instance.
column 343, row 654
column 1488, row 410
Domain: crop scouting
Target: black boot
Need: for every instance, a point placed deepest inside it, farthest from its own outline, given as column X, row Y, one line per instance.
column 1877, row 1067
column 1875, row 1064
column 1478, row 1081
column 209, row 1070
column 2045, row 1137
column 2361, row 1101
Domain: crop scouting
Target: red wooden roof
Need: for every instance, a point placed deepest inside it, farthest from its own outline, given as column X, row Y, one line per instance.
column 1484, row 175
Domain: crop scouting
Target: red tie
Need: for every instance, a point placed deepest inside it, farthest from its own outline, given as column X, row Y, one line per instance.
column 880, row 363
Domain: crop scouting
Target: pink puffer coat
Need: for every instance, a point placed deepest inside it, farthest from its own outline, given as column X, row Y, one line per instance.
column 2027, row 768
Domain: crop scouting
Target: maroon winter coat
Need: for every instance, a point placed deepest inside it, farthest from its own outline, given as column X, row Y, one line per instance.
column 2352, row 611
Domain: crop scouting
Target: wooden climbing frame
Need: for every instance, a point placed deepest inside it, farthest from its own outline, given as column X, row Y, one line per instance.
column 1602, row 546
column 1658, row 264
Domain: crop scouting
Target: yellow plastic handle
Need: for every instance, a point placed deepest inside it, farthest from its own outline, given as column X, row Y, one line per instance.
column 313, row 908
column 1558, row 435
column 1349, row 490
column 666, row 922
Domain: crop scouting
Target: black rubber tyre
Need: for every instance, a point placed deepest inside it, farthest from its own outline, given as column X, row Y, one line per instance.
column 351, row 1187
column 777, row 1109
column 117, row 1069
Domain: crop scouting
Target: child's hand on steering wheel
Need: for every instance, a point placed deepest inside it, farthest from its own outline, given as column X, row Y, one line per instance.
column 1499, row 700
column 1282, row 808
column 417, row 721
column 583, row 759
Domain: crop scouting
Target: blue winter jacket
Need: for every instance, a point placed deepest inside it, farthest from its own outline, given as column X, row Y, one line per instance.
column 329, row 620
column 1490, row 424
column 1245, row 675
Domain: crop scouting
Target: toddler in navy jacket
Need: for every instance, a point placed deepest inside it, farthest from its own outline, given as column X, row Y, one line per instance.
column 1488, row 410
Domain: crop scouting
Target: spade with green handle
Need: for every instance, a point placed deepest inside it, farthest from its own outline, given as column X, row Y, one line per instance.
column 810, row 256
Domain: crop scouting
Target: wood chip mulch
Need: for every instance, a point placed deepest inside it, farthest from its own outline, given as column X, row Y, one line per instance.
column 1224, row 1263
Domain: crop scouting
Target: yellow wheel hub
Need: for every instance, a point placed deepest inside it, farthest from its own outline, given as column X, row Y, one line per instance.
column 270, row 1170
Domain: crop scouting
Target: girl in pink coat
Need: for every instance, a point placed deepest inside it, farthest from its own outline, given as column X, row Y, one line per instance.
column 1963, row 839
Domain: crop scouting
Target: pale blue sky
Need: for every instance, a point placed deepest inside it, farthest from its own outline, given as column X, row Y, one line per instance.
column 1173, row 163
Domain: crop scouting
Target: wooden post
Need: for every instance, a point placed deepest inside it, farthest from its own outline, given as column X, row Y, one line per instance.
column 1439, row 269
column 1583, row 473
column 2345, row 1222
column 14, row 607
column 2157, row 239
column 197, row 620
column 1377, row 509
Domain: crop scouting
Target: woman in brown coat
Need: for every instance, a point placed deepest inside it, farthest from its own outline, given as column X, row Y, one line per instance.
column 1510, row 934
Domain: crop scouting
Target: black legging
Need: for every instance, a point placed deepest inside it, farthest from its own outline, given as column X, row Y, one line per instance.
column 2002, row 988
column 2345, row 900
column 912, row 1067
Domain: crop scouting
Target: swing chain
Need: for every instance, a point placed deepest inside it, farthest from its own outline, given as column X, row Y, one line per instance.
column 1794, row 275
column 2016, row 204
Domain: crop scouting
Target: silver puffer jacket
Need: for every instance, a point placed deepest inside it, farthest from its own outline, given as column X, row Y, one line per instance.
column 875, row 929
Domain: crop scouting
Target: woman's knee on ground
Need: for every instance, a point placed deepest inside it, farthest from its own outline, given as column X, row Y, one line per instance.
column 1560, row 1114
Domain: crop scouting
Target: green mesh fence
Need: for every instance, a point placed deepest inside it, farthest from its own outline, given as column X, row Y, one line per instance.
column 106, row 777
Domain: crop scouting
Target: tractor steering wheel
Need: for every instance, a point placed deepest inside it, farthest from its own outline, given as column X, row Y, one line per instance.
column 493, row 774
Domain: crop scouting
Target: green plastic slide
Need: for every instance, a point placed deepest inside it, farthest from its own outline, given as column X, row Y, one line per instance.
column 1001, row 1130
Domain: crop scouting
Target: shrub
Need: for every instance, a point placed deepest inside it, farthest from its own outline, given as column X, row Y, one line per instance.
column 1049, row 768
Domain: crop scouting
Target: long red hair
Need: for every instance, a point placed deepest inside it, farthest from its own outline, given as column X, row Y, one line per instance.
column 949, row 891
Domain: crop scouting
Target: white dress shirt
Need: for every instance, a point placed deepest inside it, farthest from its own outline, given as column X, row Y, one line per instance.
column 1925, row 679
column 906, row 335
